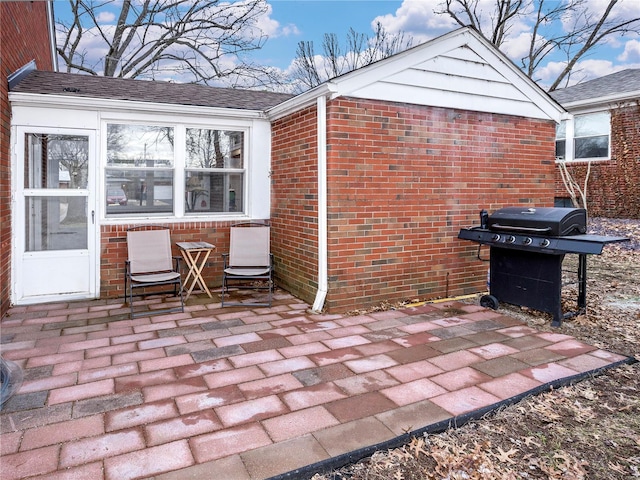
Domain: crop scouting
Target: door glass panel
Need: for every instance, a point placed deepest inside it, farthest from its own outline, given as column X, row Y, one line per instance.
column 55, row 223
column 56, row 161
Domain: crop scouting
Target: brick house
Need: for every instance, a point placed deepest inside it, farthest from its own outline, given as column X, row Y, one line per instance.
column 18, row 49
column 389, row 161
column 365, row 179
column 604, row 131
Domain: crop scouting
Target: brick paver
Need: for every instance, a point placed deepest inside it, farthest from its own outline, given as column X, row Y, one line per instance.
column 95, row 448
column 228, row 442
column 248, row 394
column 31, row 462
column 296, row 424
column 148, row 462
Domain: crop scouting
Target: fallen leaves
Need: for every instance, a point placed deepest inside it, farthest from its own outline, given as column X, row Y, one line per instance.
column 505, row 457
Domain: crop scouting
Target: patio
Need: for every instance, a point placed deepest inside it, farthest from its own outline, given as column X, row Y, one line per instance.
column 251, row 394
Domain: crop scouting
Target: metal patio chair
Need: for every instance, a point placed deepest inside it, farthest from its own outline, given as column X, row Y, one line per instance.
column 150, row 264
column 249, row 263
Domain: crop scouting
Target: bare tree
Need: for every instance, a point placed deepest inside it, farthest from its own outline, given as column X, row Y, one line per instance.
column 583, row 30
column 71, row 154
column 360, row 50
column 577, row 192
column 200, row 41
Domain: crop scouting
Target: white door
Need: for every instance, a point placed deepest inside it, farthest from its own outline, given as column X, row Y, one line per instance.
column 54, row 219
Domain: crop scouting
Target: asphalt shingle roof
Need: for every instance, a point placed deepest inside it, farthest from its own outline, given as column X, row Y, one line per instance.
column 619, row 82
column 90, row 86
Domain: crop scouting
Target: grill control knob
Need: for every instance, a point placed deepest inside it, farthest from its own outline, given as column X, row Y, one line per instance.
column 511, row 239
column 527, row 241
column 495, row 237
column 545, row 243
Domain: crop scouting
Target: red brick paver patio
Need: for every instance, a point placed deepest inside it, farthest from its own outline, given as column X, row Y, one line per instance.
column 254, row 393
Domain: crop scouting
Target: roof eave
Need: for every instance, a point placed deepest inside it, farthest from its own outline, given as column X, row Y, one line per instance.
column 301, row 101
column 92, row 103
column 604, row 101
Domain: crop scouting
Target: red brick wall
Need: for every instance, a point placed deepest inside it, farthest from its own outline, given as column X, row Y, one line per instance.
column 24, row 36
column 294, row 203
column 403, row 180
column 613, row 189
column 113, row 251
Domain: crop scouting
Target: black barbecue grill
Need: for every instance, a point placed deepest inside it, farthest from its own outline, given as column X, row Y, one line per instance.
column 528, row 246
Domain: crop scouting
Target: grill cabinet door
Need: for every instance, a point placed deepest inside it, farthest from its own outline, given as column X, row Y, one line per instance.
column 530, row 279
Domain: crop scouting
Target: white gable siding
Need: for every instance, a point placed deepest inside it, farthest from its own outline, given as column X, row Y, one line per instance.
column 460, row 79
column 458, row 70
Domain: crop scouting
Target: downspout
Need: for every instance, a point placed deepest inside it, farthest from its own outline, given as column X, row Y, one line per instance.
column 52, row 35
column 323, row 282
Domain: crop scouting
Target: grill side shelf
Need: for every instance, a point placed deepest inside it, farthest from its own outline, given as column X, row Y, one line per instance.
column 583, row 243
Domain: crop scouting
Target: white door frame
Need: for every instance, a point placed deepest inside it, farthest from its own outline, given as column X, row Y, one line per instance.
column 52, row 275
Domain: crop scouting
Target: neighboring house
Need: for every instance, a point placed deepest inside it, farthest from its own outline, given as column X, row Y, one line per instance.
column 365, row 179
column 26, row 36
column 604, row 132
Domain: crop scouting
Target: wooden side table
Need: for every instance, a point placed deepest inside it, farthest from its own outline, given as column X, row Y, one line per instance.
column 195, row 254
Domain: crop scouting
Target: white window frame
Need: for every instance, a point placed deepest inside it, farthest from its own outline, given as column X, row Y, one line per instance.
column 106, row 167
column 224, row 170
column 256, row 183
column 570, row 138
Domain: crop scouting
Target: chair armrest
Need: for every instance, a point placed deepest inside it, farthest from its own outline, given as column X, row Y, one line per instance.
column 225, row 259
column 177, row 259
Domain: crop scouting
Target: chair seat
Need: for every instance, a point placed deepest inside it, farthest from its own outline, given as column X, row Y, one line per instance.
column 247, row 271
column 155, row 277
column 249, row 259
column 149, row 265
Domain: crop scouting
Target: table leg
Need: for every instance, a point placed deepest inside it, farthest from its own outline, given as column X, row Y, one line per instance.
column 199, row 266
column 196, row 266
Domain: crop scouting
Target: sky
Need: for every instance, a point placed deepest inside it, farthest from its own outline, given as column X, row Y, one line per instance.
column 288, row 22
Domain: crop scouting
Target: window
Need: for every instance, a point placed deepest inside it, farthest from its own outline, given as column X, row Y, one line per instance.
column 139, row 173
column 174, row 170
column 561, row 140
column 583, row 138
column 214, row 173
column 591, row 136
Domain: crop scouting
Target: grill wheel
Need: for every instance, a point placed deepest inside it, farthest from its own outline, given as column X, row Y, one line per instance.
column 489, row 301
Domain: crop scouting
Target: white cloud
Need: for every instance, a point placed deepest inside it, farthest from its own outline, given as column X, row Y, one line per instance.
column 105, row 17
column 272, row 28
column 624, row 10
column 290, row 30
column 631, row 52
column 547, row 74
column 590, row 69
column 581, row 72
column 418, row 19
column 517, row 47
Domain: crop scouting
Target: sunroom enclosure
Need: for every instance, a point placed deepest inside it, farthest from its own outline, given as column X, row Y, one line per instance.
column 85, row 170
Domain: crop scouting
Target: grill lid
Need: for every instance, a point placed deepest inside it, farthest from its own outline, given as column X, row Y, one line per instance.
column 549, row 221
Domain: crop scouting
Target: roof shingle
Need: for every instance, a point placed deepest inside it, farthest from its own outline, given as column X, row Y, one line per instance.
column 90, row 86
column 619, row 82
